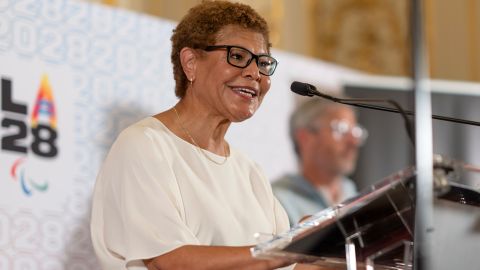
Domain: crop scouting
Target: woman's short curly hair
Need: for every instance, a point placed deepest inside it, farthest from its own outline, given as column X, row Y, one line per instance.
column 200, row 26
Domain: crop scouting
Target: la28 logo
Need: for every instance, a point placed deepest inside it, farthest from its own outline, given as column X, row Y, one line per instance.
column 14, row 123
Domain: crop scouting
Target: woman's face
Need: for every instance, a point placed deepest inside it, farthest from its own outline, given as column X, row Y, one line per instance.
column 228, row 91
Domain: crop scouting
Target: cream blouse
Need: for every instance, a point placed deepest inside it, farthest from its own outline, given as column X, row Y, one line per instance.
column 156, row 192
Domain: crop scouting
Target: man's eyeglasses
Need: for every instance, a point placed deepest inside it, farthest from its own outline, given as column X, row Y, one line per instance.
column 341, row 128
column 241, row 58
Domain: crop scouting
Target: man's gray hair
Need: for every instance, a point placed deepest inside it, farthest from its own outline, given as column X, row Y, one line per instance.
column 306, row 113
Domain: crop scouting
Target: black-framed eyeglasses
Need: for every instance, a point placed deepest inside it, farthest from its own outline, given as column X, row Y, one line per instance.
column 241, row 58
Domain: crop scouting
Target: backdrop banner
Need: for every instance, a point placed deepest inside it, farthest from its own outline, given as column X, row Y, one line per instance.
column 72, row 75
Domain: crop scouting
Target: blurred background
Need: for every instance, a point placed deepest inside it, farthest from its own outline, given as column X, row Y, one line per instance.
column 368, row 35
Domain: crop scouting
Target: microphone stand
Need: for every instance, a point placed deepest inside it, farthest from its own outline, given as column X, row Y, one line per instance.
column 356, row 102
column 423, row 257
column 306, row 89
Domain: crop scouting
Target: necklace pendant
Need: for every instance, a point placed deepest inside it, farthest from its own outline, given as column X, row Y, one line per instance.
column 203, row 151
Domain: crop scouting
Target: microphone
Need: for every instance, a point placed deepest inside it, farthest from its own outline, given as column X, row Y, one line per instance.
column 306, row 89
column 303, row 89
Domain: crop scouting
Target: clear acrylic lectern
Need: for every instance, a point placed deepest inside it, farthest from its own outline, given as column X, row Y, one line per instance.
column 374, row 230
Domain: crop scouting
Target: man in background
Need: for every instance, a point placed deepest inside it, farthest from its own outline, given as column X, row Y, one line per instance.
column 326, row 138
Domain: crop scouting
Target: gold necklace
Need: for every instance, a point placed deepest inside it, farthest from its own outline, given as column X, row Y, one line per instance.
column 198, row 146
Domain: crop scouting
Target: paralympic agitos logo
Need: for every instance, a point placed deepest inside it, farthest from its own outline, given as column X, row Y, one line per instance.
column 35, row 136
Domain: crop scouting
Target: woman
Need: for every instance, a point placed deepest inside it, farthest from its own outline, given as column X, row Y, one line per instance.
column 172, row 193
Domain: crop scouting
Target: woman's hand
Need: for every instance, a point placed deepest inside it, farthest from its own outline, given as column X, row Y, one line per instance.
column 311, row 267
column 304, row 218
column 212, row 258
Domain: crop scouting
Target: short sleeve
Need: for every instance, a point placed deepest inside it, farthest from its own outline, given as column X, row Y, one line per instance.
column 280, row 217
column 282, row 221
column 137, row 207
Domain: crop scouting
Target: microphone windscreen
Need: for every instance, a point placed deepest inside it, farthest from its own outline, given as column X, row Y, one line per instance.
column 303, row 89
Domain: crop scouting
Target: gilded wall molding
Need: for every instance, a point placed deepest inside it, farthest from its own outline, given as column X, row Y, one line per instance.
column 370, row 35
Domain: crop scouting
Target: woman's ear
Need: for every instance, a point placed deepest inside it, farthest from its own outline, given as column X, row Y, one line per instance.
column 188, row 59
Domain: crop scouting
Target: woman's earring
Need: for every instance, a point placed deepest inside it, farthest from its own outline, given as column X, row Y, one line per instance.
column 191, row 81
